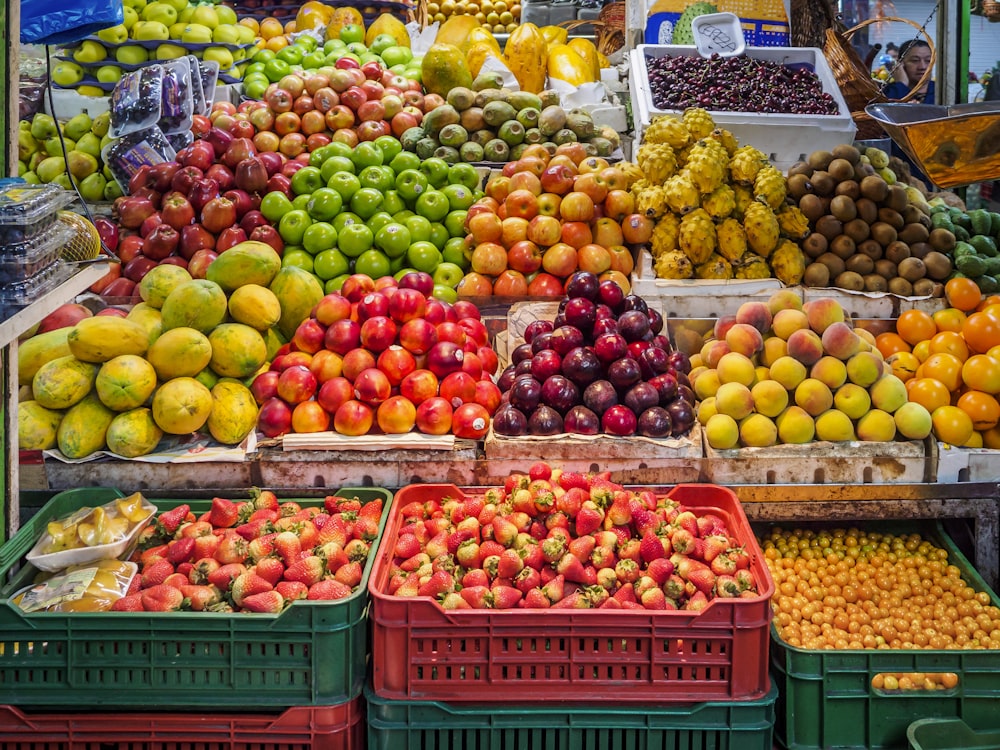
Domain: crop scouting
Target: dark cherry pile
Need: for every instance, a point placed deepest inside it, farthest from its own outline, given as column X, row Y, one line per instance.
column 602, row 366
column 737, row 84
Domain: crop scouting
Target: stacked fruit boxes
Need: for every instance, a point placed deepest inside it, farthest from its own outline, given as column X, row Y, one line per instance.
column 75, row 681
column 539, row 678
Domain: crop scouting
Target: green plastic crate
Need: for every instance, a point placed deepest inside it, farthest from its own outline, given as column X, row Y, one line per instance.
column 826, row 699
column 431, row 725
column 312, row 653
column 950, row 734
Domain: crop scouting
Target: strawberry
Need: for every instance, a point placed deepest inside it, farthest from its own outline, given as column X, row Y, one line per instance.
column 176, row 580
column 555, row 589
column 200, row 598
column 557, row 520
column 697, row 602
column 291, row 590
column 156, row 573
column 196, row 529
column 602, row 492
column 438, row 584
column 532, row 556
column 135, row 585
column 224, row 513
column 627, row 571
column 619, row 514
column 596, row 595
column 129, row 603
column 334, row 530
column 544, row 500
column 509, row 564
column 571, row 479
column 570, row 567
column 607, row 579
column 180, row 550
column 454, row 540
column 571, row 501
column 266, row 602
column 454, row 600
column 504, row 532
column 576, row 600
column 290, row 507
column 371, row 509
column 170, row 520
column 421, row 558
column 366, row 528
column 631, row 550
column 269, row 515
column 406, row 546
column 741, row 557
column 624, row 594
column 505, row 597
column 475, row 577
column 491, row 565
column 490, row 548
column 527, row 579
column 540, row 470
column 523, row 501
column 515, row 481
column 745, row 579
column 232, row 548
column 582, row 547
column 467, row 554
column 263, row 498
column 327, row 590
column 205, row 546
column 408, row 587
column 271, row 569
column 703, row 579
column 349, row 574
column 261, row 547
column 688, row 521
column 288, row 546
column 603, row 558
column 478, row 597
column 611, row 603
column 660, row 570
column 535, row 599
column 436, row 545
column 160, row 598
column 726, row 587
column 645, row 521
column 683, row 541
column 650, row 548
column 653, row 598
column 715, row 545
column 201, row 570
column 410, row 510
column 723, row 565
column 553, row 549
column 248, row 584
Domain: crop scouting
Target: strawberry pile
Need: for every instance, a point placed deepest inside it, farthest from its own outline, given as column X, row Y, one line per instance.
column 566, row 540
column 254, row 556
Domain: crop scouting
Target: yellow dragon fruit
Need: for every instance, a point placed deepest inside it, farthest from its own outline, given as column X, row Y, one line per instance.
column 716, row 267
column 761, row 226
column 770, row 186
column 751, row 266
column 665, row 234
column 681, row 193
column 792, row 223
column 720, row 203
column 669, row 130
column 697, row 236
column 673, row 265
column 732, row 239
column 745, row 164
column 706, row 165
column 698, row 122
column 744, row 197
column 726, row 138
column 788, row 262
column 651, row 201
column 657, row 161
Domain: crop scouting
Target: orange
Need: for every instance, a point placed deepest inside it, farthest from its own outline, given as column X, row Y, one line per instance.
column 981, row 407
column 993, row 299
column 963, row 294
column 952, row 425
column 250, row 23
column 949, row 319
column 991, row 438
column 889, row 343
column 949, row 342
column 994, row 352
column 276, row 43
column 922, row 350
column 915, row 326
column 904, row 365
column 945, row 368
column 270, row 28
column 981, row 332
column 975, row 440
column 928, row 392
column 981, row 373
column 290, row 27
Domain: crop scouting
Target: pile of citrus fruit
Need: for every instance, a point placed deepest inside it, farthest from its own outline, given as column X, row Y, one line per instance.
column 950, row 364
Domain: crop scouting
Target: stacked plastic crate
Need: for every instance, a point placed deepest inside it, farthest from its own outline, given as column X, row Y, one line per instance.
column 570, row 678
column 206, row 680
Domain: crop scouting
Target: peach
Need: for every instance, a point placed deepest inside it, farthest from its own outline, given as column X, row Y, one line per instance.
column 774, row 348
column 706, row 410
column 823, row 313
column 864, row 368
column 722, row 325
column 789, row 372
column 835, row 426
column 913, row 421
column 786, row 322
column 888, row 393
column 795, row 426
column 761, row 374
column 769, row 398
column 758, row 431
column 707, row 384
column 722, row 432
column 736, row 368
column 840, row 341
column 744, row 339
column 814, row 396
column 867, row 337
column 784, row 299
column 756, row 314
column 805, row 346
column 734, row 399
column 876, row 426
column 715, row 351
column 831, row 371
column 853, row 400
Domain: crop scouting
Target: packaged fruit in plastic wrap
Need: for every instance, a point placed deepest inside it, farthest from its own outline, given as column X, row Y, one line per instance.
column 91, row 587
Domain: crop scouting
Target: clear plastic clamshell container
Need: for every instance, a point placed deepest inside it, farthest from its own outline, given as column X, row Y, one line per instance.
column 27, row 211
column 19, row 261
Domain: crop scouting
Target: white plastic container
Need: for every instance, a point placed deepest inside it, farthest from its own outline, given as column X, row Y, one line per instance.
column 785, row 138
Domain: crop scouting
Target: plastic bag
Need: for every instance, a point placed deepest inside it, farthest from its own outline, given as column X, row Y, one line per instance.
column 125, row 155
column 209, row 79
column 199, row 103
column 66, row 21
column 137, row 101
column 82, row 588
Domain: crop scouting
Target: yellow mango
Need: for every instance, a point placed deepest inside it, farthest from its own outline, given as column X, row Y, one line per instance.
column 566, row 65
column 586, row 49
column 525, row 56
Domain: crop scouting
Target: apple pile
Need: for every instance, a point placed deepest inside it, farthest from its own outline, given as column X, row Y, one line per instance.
column 546, row 217
column 382, row 356
column 40, row 156
column 562, row 540
column 602, row 366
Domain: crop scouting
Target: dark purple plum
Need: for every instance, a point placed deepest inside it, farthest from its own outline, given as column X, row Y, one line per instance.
column 611, row 295
column 545, row 364
column 559, row 320
column 681, row 417
column 600, row 396
column 523, row 367
column 610, row 347
column 582, row 366
column 603, row 326
column 663, row 342
column 510, row 421
column 655, row 320
column 619, row 420
column 565, row 338
column 682, row 377
column 624, row 373
column 506, row 379
column 525, row 394
column 582, row 284
column 640, row 397
column 633, row 324
column 685, row 393
column 653, row 361
column 545, row 421
column 635, row 302
column 603, row 311
column 521, row 352
column 666, row 386
column 536, row 327
column 655, row 422
column 680, row 362
column 581, row 421
column 541, row 341
column 560, row 393
column 636, row 348
column 581, row 313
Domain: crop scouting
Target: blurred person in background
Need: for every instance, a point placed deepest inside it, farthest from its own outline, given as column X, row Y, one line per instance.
column 914, row 59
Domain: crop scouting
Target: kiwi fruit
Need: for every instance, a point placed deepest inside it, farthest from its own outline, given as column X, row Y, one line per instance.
column 867, row 210
column 870, row 248
column 860, row 263
column 833, row 262
column 841, row 169
column 811, row 206
column 858, row 230
column 852, row 282
column 829, row 226
column 911, row 233
column 897, row 252
column 820, row 159
column 884, row 234
column 843, row 246
column 798, row 185
column 846, row 151
column 911, row 214
column 815, row 245
column 823, row 182
column 816, row 274
column 928, row 288
column 862, row 170
column 897, row 200
column 800, row 167
column 920, row 249
column 875, row 283
column 850, row 188
column 891, row 217
column 842, row 207
column 912, row 269
column 874, row 188
column 941, row 239
column 885, row 268
column 901, row 286
column 938, row 265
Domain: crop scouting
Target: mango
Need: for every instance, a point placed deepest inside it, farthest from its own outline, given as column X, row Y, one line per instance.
column 84, row 427
column 554, row 35
column 39, row 349
column 248, row 262
column 444, row 68
column 63, row 382
column 105, row 337
column 234, row 412
column 133, row 433
column 298, row 291
column 36, row 426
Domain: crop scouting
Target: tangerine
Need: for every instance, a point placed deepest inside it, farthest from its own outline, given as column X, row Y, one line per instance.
column 922, row 350
column 981, row 372
column 981, row 331
column 904, row 365
column 945, row 368
column 963, row 294
column 928, row 392
column 949, row 319
column 981, row 407
column 889, row 343
column 952, row 425
column 915, row 326
column 949, row 342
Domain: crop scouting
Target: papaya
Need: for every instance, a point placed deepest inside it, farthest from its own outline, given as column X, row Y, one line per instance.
column 554, row 35
column 566, row 65
column 274, row 341
column 313, row 15
column 149, row 318
column 181, row 406
column 586, row 50
column 36, row 426
column 39, row 349
column 298, row 291
column 105, row 337
column 444, row 68
column 180, row 352
column 234, row 412
column 159, row 282
column 343, row 17
column 200, row 304
column 457, row 32
column 254, row 305
column 63, row 382
column 237, row 350
column 84, row 427
column 133, row 433
column 125, row 382
column 207, row 378
column 477, row 54
column 248, row 262
column 525, row 56
column 387, row 23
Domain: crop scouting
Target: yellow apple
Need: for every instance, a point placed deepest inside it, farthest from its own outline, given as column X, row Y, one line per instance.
column 246, row 35
column 114, row 34
column 131, row 16
column 206, row 16
column 226, row 14
column 226, row 34
column 90, row 52
column 177, row 5
column 161, row 12
column 67, row 74
column 176, row 30
column 149, row 31
column 131, row 54
column 195, row 33
column 185, row 14
column 221, row 55
column 170, row 52
column 138, row 5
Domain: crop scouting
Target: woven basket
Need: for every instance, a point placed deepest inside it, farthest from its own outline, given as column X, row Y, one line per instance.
column 855, row 80
column 609, row 28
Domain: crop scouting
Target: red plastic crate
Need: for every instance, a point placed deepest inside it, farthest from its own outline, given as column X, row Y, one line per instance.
column 423, row 652
column 340, row 727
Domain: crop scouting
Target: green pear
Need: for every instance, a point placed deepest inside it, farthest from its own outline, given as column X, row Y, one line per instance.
column 90, row 52
column 63, row 181
column 89, row 144
column 51, row 168
column 78, row 125
column 170, row 52
column 109, row 74
column 67, row 74
column 82, row 164
column 37, row 158
column 108, row 174
column 31, row 178
column 196, row 33
column 22, row 168
column 54, row 147
column 92, row 187
column 26, row 145
column 105, row 140
column 159, row 12
column 131, row 54
column 131, row 16
column 114, row 34
column 149, row 31
column 111, row 191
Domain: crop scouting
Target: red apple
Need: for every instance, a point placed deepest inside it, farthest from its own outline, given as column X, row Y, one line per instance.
column 199, row 262
column 64, row 316
column 269, row 236
column 161, row 242
column 229, row 237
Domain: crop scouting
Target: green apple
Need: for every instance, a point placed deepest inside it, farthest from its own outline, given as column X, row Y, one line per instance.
column 185, row 13
column 221, row 55
column 43, row 126
column 255, row 89
column 196, row 33
column 149, row 31
column 226, row 14
column 381, row 43
column 176, row 30
column 292, row 226
column 445, row 294
column 136, row 5
column 89, row 144
column 92, row 187
column 447, row 274
column 50, row 168
column 170, row 52
column 131, row 54
column 67, row 74
column 101, row 124
column 206, row 16
column 161, row 12
column 396, row 55
column 130, row 17
column 297, row 258
column 331, row 263
column 114, row 34
column 109, row 74
column 318, row 237
column 226, row 34
column 244, row 34
column 78, row 125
